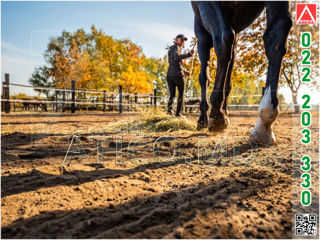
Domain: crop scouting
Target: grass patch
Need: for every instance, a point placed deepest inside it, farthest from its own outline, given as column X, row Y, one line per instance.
column 153, row 120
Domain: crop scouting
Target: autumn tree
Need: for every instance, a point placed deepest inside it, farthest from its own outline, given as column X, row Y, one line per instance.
column 67, row 58
column 98, row 61
column 136, row 81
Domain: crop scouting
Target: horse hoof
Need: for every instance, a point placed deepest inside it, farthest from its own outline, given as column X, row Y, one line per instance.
column 201, row 126
column 218, row 125
column 262, row 138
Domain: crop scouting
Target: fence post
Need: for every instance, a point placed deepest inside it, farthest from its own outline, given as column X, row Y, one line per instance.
column 73, row 106
column 120, row 99
column 136, row 98
column 104, row 100
column 155, row 97
column 56, row 92
column 2, row 97
column 14, row 103
column 63, row 100
column 111, row 100
column 6, row 94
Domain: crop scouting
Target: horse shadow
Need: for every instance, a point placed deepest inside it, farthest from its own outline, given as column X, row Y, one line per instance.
column 178, row 213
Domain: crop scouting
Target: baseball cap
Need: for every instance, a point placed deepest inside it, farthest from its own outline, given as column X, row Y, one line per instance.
column 182, row 36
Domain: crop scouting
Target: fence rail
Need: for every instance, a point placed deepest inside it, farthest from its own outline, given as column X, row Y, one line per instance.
column 80, row 99
column 76, row 98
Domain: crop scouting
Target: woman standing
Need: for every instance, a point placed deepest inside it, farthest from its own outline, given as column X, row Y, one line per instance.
column 175, row 74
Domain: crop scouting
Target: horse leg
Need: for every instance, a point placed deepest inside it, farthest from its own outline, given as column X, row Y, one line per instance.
column 223, row 38
column 228, row 84
column 204, row 46
column 278, row 26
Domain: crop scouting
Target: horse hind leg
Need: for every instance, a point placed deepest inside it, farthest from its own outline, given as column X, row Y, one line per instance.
column 278, row 26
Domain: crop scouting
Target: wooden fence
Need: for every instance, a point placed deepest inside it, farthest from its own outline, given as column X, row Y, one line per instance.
column 77, row 99
column 74, row 100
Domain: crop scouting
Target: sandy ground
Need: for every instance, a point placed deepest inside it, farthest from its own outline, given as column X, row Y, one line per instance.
column 110, row 190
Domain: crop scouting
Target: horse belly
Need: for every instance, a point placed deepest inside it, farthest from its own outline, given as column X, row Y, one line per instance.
column 241, row 15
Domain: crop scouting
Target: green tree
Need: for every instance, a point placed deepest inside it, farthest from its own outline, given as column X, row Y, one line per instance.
column 41, row 78
column 157, row 69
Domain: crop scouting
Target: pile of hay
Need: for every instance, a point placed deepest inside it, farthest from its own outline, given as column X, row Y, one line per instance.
column 153, row 120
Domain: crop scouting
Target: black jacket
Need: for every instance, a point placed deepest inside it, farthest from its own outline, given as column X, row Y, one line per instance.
column 175, row 63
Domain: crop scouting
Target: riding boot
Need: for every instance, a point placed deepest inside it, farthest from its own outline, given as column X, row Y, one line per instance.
column 180, row 85
column 170, row 107
column 179, row 107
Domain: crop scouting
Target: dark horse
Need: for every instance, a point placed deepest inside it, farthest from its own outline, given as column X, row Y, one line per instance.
column 217, row 25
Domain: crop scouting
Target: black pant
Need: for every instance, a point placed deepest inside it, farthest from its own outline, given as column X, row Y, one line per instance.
column 173, row 82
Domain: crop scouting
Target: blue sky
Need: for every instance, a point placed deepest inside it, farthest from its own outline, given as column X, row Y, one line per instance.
column 27, row 26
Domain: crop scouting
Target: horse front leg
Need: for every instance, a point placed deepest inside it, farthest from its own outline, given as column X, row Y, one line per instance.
column 223, row 38
column 218, row 119
column 204, row 46
column 278, row 26
column 228, row 84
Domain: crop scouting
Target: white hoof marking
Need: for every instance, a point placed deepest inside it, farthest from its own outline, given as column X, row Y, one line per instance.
column 263, row 132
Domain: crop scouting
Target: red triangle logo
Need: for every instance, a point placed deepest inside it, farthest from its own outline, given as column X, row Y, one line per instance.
column 306, row 16
column 306, row 13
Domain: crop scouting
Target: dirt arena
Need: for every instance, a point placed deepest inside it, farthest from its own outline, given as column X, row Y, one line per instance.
column 110, row 190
